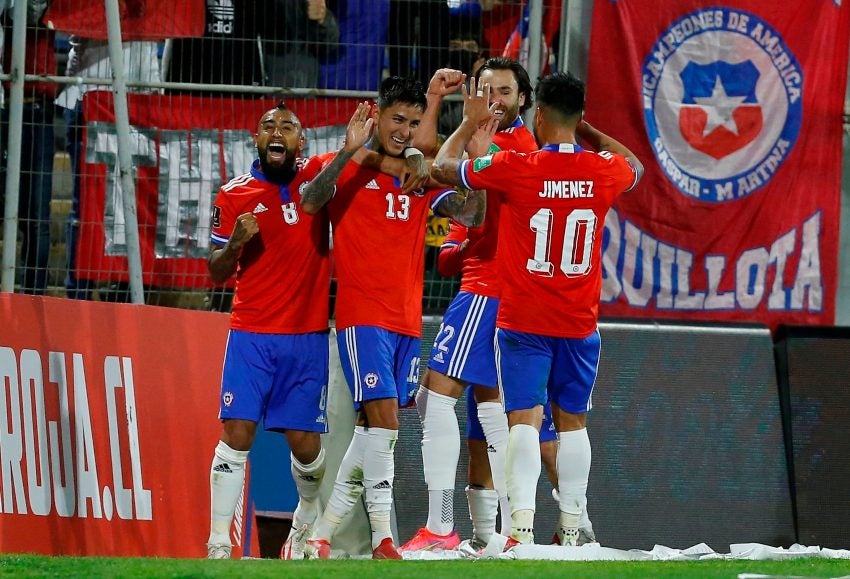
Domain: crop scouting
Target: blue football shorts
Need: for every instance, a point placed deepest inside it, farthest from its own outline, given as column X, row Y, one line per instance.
column 463, row 348
column 473, row 425
column 379, row 364
column 535, row 368
column 280, row 378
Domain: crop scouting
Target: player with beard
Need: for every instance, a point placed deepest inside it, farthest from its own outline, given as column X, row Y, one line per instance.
column 549, row 254
column 276, row 361
column 379, row 252
column 463, row 356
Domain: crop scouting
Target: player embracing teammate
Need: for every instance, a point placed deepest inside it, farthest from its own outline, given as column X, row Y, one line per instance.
column 554, row 202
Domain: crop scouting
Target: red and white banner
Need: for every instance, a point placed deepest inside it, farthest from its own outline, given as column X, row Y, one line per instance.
column 140, row 19
column 183, row 149
column 107, row 428
column 735, row 108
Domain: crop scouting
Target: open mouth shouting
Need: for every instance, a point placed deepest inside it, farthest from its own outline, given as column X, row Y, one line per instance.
column 276, row 153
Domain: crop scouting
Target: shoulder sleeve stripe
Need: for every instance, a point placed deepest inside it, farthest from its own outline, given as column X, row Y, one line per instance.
column 236, row 181
column 636, row 174
column 461, row 169
column 219, row 238
column 439, row 197
column 448, row 243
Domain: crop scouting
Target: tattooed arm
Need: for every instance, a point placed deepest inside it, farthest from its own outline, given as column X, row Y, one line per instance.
column 321, row 189
column 465, row 207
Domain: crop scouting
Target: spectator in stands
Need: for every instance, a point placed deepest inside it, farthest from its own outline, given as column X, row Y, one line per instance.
column 359, row 61
column 36, row 176
column 256, row 43
column 90, row 59
column 466, row 53
column 299, row 34
column 418, row 38
column 228, row 53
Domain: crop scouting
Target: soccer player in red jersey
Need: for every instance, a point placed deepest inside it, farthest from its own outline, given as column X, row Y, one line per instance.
column 379, row 253
column 463, row 357
column 276, row 361
column 547, row 342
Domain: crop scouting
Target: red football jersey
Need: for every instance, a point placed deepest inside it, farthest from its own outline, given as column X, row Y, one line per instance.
column 550, row 238
column 283, row 273
column 379, row 250
column 480, row 268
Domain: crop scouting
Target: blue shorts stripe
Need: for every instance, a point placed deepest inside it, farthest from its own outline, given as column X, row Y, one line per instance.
column 351, row 346
column 466, row 335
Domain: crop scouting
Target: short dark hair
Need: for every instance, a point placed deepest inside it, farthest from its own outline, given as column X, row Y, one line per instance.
column 520, row 74
column 397, row 89
column 562, row 92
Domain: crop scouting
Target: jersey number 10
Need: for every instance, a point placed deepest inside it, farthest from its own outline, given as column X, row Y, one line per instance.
column 578, row 243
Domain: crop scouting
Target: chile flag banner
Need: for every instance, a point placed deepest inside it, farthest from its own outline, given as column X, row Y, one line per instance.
column 735, row 109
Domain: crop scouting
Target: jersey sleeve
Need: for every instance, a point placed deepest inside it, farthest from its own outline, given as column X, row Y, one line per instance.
column 489, row 171
column 222, row 219
column 437, row 196
column 309, row 168
column 624, row 174
column 450, row 258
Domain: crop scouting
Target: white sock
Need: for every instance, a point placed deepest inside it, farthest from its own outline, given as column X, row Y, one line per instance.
column 483, row 504
column 584, row 522
column 307, row 479
column 440, row 454
column 523, row 471
column 494, row 423
column 573, row 472
column 348, row 487
column 378, row 476
column 227, row 477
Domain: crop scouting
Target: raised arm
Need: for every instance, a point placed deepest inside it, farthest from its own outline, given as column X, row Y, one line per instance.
column 602, row 142
column 476, row 113
column 319, row 191
column 445, row 81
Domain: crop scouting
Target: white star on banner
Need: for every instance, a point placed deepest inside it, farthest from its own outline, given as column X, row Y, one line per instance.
column 719, row 107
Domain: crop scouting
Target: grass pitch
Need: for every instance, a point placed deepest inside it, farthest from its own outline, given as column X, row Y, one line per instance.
column 39, row 566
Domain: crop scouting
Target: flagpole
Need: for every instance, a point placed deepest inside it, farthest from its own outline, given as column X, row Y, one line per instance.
column 535, row 46
column 13, row 167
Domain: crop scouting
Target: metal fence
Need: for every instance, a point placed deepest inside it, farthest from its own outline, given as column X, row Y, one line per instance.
column 108, row 179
